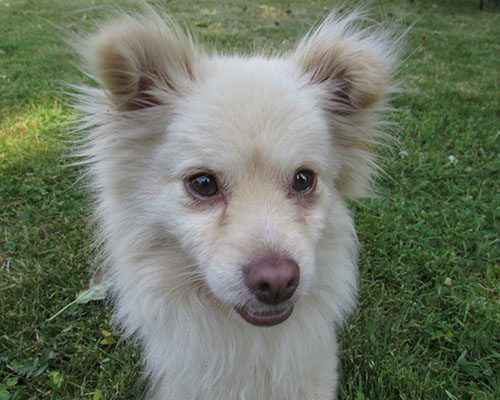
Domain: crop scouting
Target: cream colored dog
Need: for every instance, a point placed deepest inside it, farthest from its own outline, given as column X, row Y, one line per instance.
column 220, row 184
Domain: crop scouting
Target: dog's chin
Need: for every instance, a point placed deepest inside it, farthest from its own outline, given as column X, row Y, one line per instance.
column 265, row 318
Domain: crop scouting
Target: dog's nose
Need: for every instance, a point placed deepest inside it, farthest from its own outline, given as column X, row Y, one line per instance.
column 272, row 280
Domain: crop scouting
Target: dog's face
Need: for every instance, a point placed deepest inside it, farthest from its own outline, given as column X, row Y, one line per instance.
column 251, row 155
column 250, row 175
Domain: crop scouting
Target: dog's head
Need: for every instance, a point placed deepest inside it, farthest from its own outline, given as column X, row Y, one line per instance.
column 242, row 161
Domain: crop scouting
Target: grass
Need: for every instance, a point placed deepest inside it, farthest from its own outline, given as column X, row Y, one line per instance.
column 428, row 324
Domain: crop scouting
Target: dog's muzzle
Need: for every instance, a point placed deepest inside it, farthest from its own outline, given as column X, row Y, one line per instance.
column 272, row 281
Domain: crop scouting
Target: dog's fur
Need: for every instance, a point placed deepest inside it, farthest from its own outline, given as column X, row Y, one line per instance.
column 167, row 110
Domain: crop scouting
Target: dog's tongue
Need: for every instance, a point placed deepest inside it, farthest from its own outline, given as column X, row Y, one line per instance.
column 267, row 318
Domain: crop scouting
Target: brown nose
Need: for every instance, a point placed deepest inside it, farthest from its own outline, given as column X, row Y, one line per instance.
column 272, row 280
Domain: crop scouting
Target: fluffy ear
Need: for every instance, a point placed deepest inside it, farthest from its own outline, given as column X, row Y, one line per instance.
column 140, row 60
column 353, row 65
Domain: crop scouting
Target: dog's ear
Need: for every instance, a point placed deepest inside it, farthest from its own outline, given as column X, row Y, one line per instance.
column 354, row 65
column 140, row 60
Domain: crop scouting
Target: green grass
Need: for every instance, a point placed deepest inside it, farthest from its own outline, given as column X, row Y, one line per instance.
column 428, row 325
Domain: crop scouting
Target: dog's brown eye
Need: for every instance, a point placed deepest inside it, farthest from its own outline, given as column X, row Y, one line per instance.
column 204, row 185
column 303, row 181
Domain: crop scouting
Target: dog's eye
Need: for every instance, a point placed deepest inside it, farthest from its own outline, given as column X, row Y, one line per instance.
column 304, row 181
column 203, row 185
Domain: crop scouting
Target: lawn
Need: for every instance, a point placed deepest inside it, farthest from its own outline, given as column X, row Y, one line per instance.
column 428, row 322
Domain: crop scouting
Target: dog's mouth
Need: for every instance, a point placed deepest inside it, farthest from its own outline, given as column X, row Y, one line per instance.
column 265, row 318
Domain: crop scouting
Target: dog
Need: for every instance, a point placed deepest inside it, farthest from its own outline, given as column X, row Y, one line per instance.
column 220, row 186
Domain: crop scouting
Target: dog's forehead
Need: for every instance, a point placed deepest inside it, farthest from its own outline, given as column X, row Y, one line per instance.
column 252, row 110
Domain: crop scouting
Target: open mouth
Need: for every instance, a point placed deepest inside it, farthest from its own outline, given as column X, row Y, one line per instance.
column 265, row 318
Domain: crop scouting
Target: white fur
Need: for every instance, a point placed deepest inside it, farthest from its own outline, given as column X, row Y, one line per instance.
column 168, row 109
